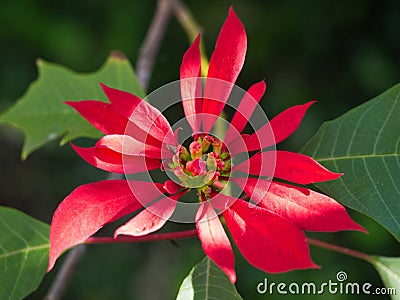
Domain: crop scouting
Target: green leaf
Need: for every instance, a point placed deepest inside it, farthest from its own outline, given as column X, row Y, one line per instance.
column 207, row 281
column 24, row 251
column 364, row 144
column 389, row 270
column 43, row 116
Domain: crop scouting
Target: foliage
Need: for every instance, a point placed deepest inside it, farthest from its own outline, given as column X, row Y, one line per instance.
column 24, row 249
column 364, row 144
column 42, row 114
column 206, row 281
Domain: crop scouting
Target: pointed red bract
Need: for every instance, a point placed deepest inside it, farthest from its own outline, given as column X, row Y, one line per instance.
column 245, row 110
column 141, row 114
column 267, row 241
column 282, row 126
column 301, row 169
column 191, row 88
column 308, row 209
column 290, row 166
column 125, row 144
column 87, row 209
column 214, row 240
column 149, row 220
column 225, row 64
column 111, row 161
column 101, row 115
column 261, row 164
column 237, row 143
column 230, row 50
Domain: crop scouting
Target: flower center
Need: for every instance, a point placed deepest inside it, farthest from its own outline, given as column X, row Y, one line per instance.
column 206, row 166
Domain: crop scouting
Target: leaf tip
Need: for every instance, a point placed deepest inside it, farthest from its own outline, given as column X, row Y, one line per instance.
column 315, row 266
column 25, row 151
column 39, row 62
column 117, row 55
column 232, row 276
column 337, row 175
column 358, row 227
column 24, row 156
column 50, row 266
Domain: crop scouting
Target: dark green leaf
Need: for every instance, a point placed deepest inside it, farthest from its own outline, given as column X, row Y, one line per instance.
column 206, row 281
column 364, row 144
column 43, row 116
column 24, row 250
column 389, row 270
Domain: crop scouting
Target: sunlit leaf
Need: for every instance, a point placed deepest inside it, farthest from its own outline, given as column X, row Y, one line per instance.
column 389, row 270
column 364, row 144
column 24, row 250
column 206, row 281
column 41, row 112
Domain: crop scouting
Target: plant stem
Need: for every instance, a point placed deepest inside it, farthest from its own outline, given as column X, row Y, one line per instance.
column 192, row 29
column 152, row 42
column 148, row 238
column 340, row 249
column 186, row 19
column 192, row 233
column 64, row 274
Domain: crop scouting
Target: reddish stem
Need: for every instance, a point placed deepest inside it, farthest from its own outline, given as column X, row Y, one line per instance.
column 340, row 249
column 148, row 238
column 193, row 232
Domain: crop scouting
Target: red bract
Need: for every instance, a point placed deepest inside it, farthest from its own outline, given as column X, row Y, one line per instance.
column 268, row 229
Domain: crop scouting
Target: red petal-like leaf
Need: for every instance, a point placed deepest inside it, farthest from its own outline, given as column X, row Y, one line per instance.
column 149, row 220
column 225, row 64
column 267, row 241
column 308, row 209
column 283, row 125
column 290, row 166
column 141, row 114
column 214, row 240
column 191, row 89
column 255, row 188
column 145, row 192
column 301, row 169
column 111, row 161
column 245, row 110
column 237, row 144
column 127, row 145
column 101, row 115
column 261, row 164
column 87, row 209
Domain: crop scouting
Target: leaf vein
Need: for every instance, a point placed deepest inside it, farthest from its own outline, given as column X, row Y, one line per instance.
column 384, row 123
column 379, row 194
column 34, row 248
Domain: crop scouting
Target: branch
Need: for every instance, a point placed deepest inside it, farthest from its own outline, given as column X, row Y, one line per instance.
column 192, row 29
column 186, row 19
column 152, row 42
column 193, row 232
column 64, row 274
column 340, row 249
column 148, row 238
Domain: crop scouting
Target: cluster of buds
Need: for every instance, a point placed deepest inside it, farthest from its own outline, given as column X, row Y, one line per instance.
column 205, row 166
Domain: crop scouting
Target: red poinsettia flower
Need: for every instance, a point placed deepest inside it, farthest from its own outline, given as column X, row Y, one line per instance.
column 267, row 225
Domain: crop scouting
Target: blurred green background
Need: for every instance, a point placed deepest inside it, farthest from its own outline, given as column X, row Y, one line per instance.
column 341, row 53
